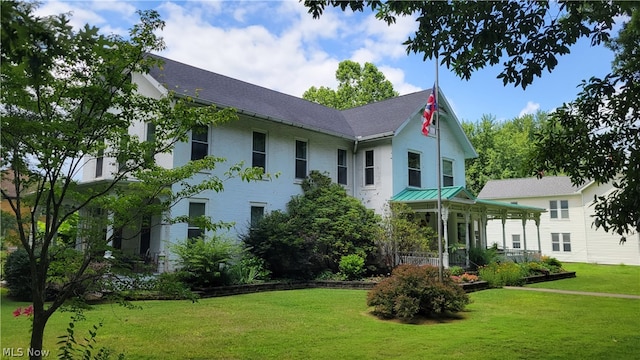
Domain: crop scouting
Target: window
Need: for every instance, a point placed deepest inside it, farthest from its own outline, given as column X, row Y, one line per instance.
column 199, row 142
column 447, row 173
column 515, row 239
column 301, row 159
column 368, row 167
column 342, row 167
column 196, row 209
column 257, row 213
column 564, row 209
column 151, row 138
column 259, row 156
column 99, row 163
column 414, row 169
column 566, row 242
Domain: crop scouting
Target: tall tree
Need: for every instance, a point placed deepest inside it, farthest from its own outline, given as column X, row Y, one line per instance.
column 527, row 38
column 597, row 136
column 358, row 85
column 504, row 148
column 68, row 97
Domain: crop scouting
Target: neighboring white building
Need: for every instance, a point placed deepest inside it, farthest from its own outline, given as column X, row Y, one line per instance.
column 375, row 151
column 566, row 229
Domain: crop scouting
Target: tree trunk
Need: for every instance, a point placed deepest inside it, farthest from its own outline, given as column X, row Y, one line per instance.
column 37, row 336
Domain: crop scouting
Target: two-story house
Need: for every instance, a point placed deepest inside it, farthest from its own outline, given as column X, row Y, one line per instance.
column 567, row 228
column 376, row 151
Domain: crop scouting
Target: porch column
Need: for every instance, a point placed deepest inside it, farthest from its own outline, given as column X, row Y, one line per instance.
column 109, row 236
column 504, row 235
column 537, row 219
column 524, row 231
column 445, row 220
column 483, row 230
column 467, row 217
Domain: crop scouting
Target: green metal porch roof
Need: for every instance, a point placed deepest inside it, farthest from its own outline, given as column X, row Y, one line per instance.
column 448, row 193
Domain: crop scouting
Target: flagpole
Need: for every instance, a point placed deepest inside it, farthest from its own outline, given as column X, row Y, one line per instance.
column 439, row 222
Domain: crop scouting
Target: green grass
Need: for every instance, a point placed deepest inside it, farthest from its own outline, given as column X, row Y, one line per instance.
column 617, row 279
column 336, row 324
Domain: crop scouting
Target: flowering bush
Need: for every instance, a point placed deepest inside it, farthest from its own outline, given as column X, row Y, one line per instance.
column 503, row 274
column 415, row 290
column 465, row 278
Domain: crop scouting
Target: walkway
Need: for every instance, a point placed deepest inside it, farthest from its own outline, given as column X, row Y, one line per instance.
column 623, row 296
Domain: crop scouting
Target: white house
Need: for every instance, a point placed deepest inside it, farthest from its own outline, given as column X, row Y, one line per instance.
column 567, row 230
column 377, row 152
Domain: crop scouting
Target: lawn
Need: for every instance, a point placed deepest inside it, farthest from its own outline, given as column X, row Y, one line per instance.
column 335, row 324
column 621, row 279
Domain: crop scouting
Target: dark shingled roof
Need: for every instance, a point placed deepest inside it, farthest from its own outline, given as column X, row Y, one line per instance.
column 386, row 115
column 371, row 119
column 528, row 187
column 248, row 98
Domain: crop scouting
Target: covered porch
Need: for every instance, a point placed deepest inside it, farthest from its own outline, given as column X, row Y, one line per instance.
column 464, row 222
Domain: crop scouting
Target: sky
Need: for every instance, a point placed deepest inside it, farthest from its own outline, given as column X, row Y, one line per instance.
column 278, row 45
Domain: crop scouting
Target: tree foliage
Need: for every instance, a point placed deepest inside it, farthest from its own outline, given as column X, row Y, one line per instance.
column 318, row 228
column 527, row 37
column 358, row 85
column 68, row 97
column 594, row 137
column 403, row 233
column 504, row 148
column 597, row 136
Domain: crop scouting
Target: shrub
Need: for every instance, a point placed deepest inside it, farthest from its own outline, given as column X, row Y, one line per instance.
column 553, row 264
column 318, row 228
column 502, row 274
column 480, row 257
column 204, row 262
column 17, row 273
column 456, row 270
column 248, row 270
column 352, row 267
column 415, row 290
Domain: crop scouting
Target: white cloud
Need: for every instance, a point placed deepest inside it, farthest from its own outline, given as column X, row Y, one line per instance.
column 530, row 108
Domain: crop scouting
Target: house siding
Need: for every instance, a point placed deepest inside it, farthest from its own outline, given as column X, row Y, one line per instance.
column 587, row 243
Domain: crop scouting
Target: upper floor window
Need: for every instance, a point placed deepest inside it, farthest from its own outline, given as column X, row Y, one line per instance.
column 196, row 209
column 199, row 142
column 301, row 159
column 342, row 166
column 259, row 156
column 447, row 172
column 414, row 169
column 562, row 211
column 368, row 167
column 99, row 163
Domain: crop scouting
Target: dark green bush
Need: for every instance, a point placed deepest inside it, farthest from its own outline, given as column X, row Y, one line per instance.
column 481, row 257
column 415, row 290
column 318, row 228
column 17, row 273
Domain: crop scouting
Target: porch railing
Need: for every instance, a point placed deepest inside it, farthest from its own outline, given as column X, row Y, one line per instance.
column 417, row 258
column 516, row 255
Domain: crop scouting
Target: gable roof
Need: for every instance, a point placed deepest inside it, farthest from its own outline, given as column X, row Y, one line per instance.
column 383, row 117
column 528, row 187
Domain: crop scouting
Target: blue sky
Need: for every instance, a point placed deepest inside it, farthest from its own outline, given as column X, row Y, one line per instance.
column 276, row 44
